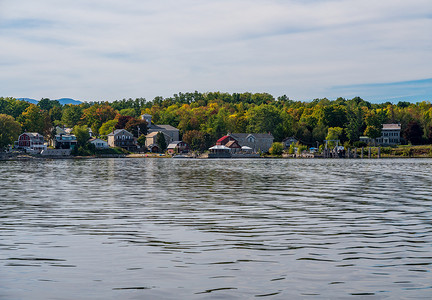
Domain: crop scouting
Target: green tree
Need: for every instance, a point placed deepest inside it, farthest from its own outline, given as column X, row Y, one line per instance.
column 9, row 130
column 291, row 149
column 82, row 135
column 354, row 125
column 372, row 132
column 334, row 133
column 141, row 140
column 55, row 114
column 108, row 127
column 161, row 142
column 128, row 112
column 301, row 148
column 334, row 115
column 72, row 115
column 276, row 149
column 47, row 104
column 218, row 124
column 34, row 119
column 13, row 107
column 374, row 121
column 263, row 119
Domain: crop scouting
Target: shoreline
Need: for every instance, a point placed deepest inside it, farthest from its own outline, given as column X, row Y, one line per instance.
column 27, row 157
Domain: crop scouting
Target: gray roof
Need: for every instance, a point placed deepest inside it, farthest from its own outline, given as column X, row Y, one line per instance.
column 118, row 131
column 33, row 134
column 163, row 127
column 256, row 135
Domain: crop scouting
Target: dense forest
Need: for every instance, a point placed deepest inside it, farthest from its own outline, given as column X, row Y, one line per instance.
column 202, row 118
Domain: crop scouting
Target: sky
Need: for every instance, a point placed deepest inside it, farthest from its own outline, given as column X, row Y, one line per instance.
column 105, row 50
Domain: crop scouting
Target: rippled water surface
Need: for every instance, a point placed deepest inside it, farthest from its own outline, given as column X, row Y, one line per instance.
column 216, row 229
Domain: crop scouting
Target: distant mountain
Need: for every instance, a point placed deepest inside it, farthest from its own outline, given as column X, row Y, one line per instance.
column 62, row 101
column 28, row 100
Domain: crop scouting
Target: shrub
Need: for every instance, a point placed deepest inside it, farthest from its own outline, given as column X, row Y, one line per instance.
column 276, row 149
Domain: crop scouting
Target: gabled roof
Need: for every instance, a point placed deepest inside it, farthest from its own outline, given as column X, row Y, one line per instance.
column 32, row 134
column 222, row 139
column 256, row 135
column 118, row 131
column 164, row 127
column 232, row 144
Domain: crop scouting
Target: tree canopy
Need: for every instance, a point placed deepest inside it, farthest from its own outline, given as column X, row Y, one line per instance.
column 202, row 118
column 9, row 130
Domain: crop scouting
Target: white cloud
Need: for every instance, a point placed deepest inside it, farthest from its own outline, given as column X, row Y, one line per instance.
column 107, row 50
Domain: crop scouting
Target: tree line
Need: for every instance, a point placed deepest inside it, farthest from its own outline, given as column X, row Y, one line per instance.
column 202, row 118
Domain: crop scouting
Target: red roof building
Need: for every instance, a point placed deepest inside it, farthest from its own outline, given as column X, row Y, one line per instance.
column 224, row 140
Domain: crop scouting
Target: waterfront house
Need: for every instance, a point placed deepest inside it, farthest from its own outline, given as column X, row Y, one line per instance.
column 256, row 141
column 287, row 142
column 151, row 138
column 31, row 142
column 230, row 142
column 171, row 131
column 64, row 141
column 178, row 147
column 122, row 138
column 390, row 135
column 99, row 143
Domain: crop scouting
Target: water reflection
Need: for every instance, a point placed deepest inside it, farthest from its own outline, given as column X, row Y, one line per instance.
column 160, row 228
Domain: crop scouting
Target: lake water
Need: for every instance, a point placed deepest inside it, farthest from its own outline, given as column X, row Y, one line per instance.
column 216, row 229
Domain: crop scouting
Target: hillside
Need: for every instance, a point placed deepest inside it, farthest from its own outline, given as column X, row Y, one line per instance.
column 63, row 101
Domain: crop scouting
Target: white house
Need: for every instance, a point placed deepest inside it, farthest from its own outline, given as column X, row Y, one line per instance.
column 99, row 143
column 390, row 135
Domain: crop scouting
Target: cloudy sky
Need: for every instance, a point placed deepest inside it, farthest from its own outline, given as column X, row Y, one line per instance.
column 306, row 49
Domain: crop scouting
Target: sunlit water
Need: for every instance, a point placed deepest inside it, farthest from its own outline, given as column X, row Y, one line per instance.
column 216, row 229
